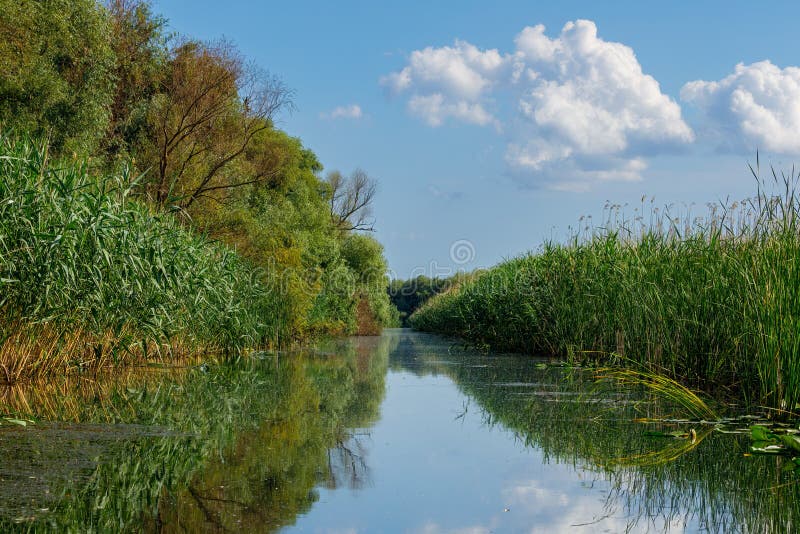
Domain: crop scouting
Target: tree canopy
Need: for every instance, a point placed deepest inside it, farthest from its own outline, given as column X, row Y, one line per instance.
column 194, row 123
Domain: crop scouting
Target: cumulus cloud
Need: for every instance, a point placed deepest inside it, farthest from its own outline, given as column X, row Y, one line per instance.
column 353, row 111
column 434, row 109
column 581, row 106
column 449, row 82
column 757, row 106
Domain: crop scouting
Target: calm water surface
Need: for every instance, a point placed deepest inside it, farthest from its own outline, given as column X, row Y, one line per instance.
column 400, row 433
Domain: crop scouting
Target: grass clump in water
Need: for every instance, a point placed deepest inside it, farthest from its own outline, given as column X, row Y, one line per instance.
column 712, row 301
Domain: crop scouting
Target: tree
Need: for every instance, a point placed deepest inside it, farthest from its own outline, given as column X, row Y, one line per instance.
column 351, row 200
column 142, row 55
column 56, row 71
column 212, row 106
column 408, row 295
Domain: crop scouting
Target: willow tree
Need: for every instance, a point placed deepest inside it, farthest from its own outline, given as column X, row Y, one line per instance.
column 351, row 200
column 212, row 106
column 56, row 71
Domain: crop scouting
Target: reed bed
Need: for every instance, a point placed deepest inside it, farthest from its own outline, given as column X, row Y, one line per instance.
column 89, row 276
column 713, row 301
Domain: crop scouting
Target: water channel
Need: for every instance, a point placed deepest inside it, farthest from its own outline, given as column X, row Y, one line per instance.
column 405, row 432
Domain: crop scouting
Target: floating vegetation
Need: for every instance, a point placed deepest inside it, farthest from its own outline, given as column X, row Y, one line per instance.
column 775, row 440
column 665, row 388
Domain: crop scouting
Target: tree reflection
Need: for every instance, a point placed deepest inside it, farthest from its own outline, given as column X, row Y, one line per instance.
column 347, row 464
column 238, row 447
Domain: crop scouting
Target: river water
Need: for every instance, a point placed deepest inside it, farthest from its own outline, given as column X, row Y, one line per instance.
column 405, row 432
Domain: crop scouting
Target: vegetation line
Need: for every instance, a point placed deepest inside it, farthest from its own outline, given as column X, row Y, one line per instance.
column 712, row 301
column 149, row 206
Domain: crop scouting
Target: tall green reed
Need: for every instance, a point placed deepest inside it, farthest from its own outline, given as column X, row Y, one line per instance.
column 79, row 253
column 713, row 300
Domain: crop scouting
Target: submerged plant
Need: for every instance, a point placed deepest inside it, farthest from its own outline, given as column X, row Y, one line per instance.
column 665, row 388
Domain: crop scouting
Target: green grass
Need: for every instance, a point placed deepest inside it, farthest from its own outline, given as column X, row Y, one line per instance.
column 89, row 276
column 713, row 301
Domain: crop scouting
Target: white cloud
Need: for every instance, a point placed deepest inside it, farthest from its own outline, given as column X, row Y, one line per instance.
column 581, row 106
column 449, row 82
column 758, row 106
column 434, row 109
column 353, row 111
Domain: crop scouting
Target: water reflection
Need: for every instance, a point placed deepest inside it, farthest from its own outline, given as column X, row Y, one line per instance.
column 706, row 482
column 400, row 433
column 235, row 447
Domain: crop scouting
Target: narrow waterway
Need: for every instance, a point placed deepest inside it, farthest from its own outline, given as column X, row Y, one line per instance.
column 405, row 432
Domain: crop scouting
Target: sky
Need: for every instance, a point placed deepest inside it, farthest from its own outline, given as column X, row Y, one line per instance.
column 495, row 127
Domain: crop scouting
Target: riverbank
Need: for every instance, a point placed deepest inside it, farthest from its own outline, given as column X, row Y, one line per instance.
column 93, row 277
column 713, row 302
column 152, row 211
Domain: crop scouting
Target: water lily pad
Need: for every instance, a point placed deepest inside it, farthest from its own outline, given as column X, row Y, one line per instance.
column 791, row 441
column 761, row 433
column 766, row 447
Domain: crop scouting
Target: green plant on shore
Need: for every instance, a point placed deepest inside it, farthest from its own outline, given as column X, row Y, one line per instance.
column 88, row 274
column 712, row 301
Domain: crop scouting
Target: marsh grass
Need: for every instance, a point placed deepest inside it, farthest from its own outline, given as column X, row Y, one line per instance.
column 713, row 301
column 90, row 277
column 665, row 388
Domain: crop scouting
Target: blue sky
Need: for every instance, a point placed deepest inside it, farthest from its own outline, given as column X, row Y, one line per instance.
column 490, row 134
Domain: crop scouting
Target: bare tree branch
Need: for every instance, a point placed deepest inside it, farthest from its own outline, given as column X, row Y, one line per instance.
column 351, row 200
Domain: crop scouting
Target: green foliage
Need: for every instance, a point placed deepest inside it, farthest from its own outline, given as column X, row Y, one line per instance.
column 57, row 68
column 284, row 226
column 183, row 134
column 408, row 295
column 364, row 256
column 714, row 302
column 141, row 52
column 77, row 252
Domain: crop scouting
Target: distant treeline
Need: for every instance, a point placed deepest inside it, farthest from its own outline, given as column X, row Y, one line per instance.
column 408, row 295
column 149, row 203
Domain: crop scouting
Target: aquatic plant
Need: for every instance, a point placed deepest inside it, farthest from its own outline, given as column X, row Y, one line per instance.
column 713, row 301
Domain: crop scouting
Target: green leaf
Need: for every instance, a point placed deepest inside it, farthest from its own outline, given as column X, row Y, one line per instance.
column 761, row 433
column 766, row 447
column 791, row 441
